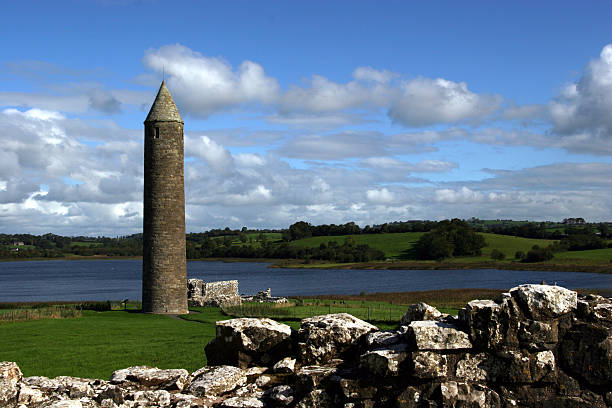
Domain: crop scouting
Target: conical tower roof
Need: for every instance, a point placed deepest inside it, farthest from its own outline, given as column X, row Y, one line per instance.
column 164, row 109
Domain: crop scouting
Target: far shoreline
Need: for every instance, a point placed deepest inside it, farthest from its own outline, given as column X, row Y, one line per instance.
column 603, row 268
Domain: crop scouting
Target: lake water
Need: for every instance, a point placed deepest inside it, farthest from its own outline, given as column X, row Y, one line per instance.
column 121, row 279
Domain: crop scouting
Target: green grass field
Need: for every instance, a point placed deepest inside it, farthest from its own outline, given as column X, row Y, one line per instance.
column 601, row 255
column 401, row 245
column 509, row 245
column 100, row 342
column 252, row 238
column 270, row 236
column 395, row 246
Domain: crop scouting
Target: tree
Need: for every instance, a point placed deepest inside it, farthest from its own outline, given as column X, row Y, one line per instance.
column 497, row 255
column 450, row 238
column 299, row 230
column 539, row 255
column 604, row 230
column 433, row 246
column 580, row 239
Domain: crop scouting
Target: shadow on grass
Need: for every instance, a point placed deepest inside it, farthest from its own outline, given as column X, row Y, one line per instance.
column 409, row 254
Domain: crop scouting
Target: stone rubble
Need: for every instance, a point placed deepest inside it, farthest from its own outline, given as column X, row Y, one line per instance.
column 264, row 296
column 536, row 346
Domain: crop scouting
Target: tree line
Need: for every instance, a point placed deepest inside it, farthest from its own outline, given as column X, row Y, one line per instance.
column 349, row 251
column 303, row 229
column 26, row 246
column 441, row 239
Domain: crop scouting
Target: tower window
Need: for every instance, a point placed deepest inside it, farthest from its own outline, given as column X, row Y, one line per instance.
column 156, row 135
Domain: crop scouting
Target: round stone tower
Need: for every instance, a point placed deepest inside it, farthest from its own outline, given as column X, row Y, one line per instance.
column 164, row 267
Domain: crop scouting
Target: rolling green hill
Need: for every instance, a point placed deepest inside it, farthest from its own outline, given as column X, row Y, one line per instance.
column 509, row 245
column 253, row 238
column 400, row 245
column 395, row 246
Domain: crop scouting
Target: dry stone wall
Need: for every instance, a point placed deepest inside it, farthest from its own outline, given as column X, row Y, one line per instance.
column 264, row 296
column 536, row 346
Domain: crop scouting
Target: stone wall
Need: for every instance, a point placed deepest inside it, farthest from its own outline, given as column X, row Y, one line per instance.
column 536, row 346
column 264, row 296
column 221, row 293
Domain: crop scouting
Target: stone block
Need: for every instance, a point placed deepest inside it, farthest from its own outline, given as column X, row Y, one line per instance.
column 323, row 338
column 217, row 380
column 428, row 364
column 152, row 378
column 246, row 341
column 432, row 335
column 544, row 301
column 420, row 311
column 384, row 362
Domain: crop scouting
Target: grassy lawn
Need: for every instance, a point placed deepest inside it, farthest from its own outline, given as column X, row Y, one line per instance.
column 100, row 342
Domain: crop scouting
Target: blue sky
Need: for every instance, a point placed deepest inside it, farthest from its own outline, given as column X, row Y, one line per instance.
column 322, row 111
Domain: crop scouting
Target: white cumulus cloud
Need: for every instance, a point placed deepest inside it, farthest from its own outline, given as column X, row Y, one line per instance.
column 382, row 196
column 204, row 85
column 583, row 108
column 425, row 101
column 215, row 155
column 462, row 195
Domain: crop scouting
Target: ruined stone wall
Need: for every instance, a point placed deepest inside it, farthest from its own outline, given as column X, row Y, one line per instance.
column 164, row 257
column 536, row 346
column 264, row 296
column 220, row 293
